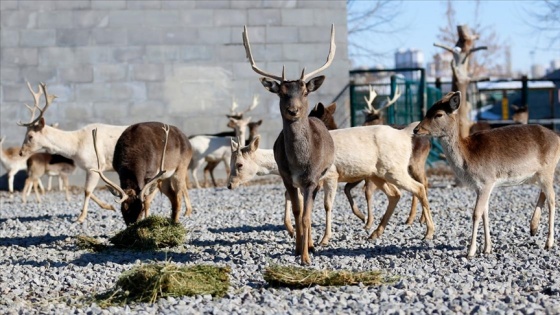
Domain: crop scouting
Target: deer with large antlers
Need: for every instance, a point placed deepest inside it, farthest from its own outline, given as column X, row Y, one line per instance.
column 510, row 155
column 421, row 147
column 76, row 145
column 304, row 150
column 161, row 159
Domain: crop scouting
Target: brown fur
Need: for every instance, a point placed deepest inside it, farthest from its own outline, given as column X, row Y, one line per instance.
column 40, row 164
column 137, row 162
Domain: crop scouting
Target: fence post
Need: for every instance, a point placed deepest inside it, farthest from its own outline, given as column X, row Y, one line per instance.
column 352, row 104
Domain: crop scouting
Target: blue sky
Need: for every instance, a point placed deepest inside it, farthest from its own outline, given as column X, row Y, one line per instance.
column 421, row 20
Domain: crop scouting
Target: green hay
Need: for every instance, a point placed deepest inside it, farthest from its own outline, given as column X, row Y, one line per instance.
column 89, row 243
column 151, row 233
column 297, row 277
column 149, row 282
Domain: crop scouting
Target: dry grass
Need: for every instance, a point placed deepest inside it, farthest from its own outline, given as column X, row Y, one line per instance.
column 297, row 277
column 149, row 282
column 151, row 233
column 90, row 243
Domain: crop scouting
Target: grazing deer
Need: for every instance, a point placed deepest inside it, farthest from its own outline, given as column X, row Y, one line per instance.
column 304, row 150
column 40, row 164
column 13, row 163
column 510, row 155
column 421, row 147
column 76, row 145
column 161, row 159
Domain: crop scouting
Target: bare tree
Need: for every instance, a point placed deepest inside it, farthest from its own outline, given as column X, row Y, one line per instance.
column 374, row 21
column 544, row 17
column 486, row 63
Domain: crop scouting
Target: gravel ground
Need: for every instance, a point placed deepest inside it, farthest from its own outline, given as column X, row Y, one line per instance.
column 43, row 271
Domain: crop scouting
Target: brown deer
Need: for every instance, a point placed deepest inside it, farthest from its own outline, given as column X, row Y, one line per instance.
column 76, row 145
column 144, row 165
column 40, row 164
column 421, row 147
column 510, row 155
column 304, row 150
column 520, row 116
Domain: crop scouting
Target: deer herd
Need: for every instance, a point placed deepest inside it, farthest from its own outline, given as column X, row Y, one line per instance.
column 310, row 153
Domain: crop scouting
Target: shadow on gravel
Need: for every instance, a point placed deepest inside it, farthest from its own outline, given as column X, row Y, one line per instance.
column 381, row 250
column 39, row 218
column 31, row 240
column 205, row 244
column 249, row 228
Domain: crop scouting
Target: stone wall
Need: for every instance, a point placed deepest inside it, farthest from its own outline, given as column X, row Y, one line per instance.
column 179, row 62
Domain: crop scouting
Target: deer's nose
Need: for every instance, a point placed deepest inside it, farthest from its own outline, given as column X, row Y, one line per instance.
column 229, row 186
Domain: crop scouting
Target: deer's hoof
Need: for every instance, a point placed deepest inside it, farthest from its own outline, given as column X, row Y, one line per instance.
column 534, row 231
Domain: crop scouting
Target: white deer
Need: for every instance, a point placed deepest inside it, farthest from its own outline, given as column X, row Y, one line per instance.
column 76, row 145
column 510, row 155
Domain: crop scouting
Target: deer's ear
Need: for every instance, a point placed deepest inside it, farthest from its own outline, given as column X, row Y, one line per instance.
column 270, row 85
column 259, row 122
column 319, row 110
column 234, row 145
column 315, row 83
column 40, row 124
column 332, row 108
column 455, row 101
column 254, row 145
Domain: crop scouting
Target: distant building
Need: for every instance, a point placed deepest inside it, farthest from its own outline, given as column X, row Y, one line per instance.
column 554, row 65
column 440, row 67
column 537, row 71
column 411, row 58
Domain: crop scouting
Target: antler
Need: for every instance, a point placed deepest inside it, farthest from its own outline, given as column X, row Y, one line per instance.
column 393, row 100
column 233, row 108
column 369, row 101
column 253, row 105
column 110, row 184
column 330, row 58
column 36, row 97
column 373, row 94
column 153, row 181
column 252, row 61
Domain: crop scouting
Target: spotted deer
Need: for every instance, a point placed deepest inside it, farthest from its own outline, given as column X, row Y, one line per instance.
column 510, row 155
column 76, row 145
column 304, row 150
column 160, row 159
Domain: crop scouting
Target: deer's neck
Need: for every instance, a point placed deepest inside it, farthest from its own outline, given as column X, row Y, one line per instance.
column 265, row 161
column 66, row 143
column 297, row 140
column 240, row 134
column 455, row 151
column 10, row 156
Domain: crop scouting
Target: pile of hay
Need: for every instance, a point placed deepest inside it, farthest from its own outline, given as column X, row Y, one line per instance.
column 149, row 282
column 151, row 233
column 296, row 277
column 90, row 243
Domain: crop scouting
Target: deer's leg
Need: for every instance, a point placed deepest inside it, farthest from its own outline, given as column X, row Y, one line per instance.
column 64, row 179
column 36, row 190
column 348, row 192
column 210, row 166
column 49, row 183
column 26, row 187
column 481, row 206
column 308, row 193
column 296, row 210
column 550, row 196
column 537, row 213
column 40, row 184
column 404, row 181
column 171, row 189
column 91, row 181
column 195, row 165
column 11, row 175
column 287, row 219
column 205, row 172
column 330, row 186
column 61, row 182
column 369, row 190
column 393, row 195
column 148, row 203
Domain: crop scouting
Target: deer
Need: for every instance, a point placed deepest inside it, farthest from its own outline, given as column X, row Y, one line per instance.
column 239, row 125
column 421, row 147
column 159, row 160
column 505, row 156
column 43, row 163
column 520, row 116
column 13, row 163
column 76, row 145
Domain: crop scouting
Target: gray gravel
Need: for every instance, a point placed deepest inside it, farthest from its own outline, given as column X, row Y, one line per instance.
column 42, row 270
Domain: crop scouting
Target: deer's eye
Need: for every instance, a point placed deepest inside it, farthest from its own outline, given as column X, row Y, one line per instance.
column 29, row 137
column 239, row 165
column 439, row 115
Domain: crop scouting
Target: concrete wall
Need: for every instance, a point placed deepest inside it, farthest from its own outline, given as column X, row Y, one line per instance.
column 179, row 62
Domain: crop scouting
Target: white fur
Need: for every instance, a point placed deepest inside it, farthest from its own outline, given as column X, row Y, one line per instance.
column 211, row 149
